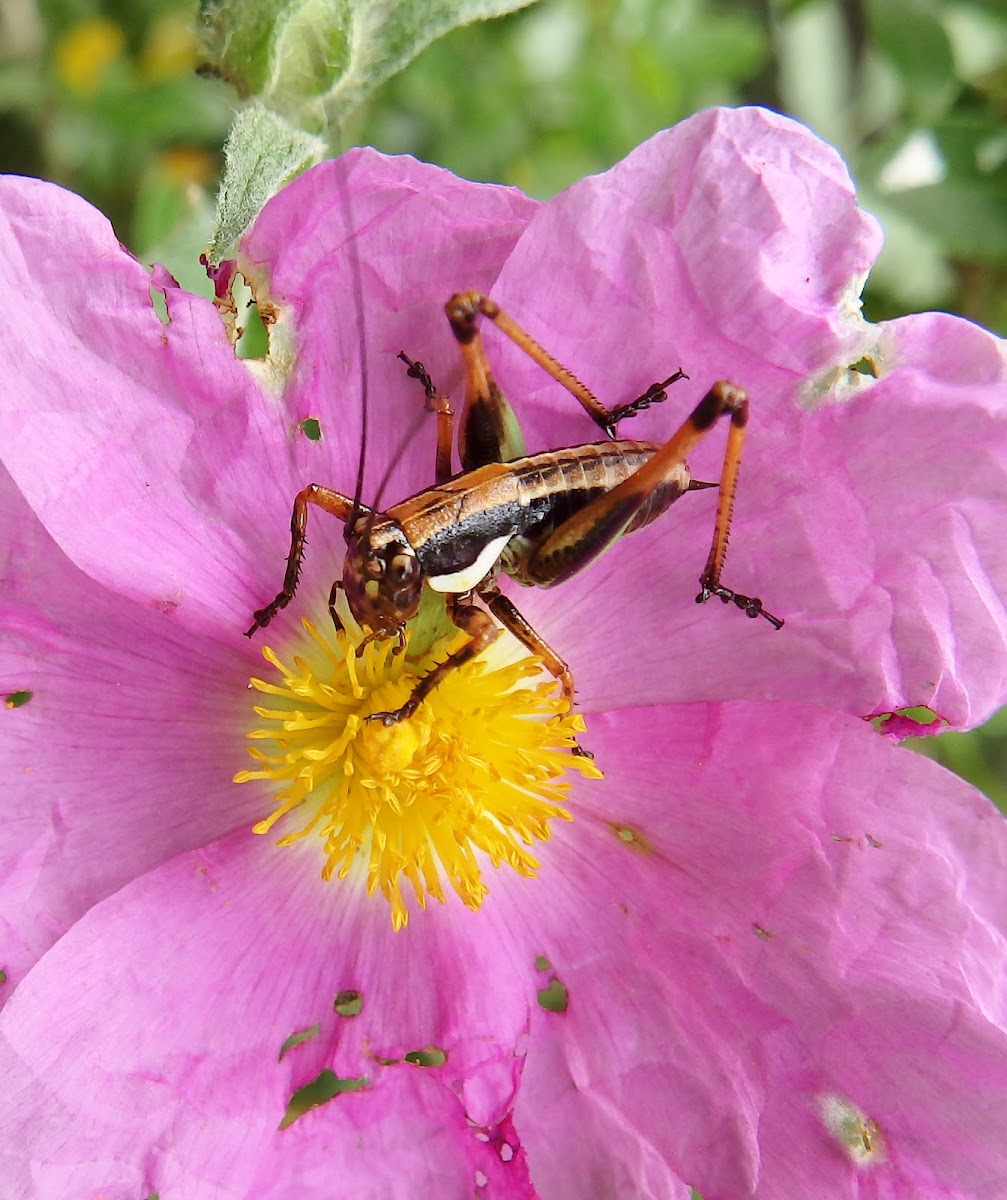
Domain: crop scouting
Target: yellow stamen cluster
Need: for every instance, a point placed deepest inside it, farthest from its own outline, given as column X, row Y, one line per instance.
column 472, row 778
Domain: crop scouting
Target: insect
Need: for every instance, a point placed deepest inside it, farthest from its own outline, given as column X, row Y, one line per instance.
column 539, row 519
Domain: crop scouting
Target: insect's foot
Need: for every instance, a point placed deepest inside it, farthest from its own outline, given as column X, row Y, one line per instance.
column 751, row 606
column 262, row 618
column 416, row 370
column 655, row 394
column 396, row 715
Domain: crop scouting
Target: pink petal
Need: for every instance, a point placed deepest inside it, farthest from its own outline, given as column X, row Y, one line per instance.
column 183, row 450
column 796, row 909
column 731, row 245
column 707, row 1019
column 421, row 234
column 724, row 245
column 173, row 998
column 407, row 1137
column 877, row 538
column 796, row 919
column 104, row 426
column 132, row 733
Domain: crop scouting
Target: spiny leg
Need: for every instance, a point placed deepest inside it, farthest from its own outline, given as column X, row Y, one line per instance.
column 508, row 616
column 437, row 403
column 482, row 631
column 332, row 502
column 655, row 394
column 582, row 538
column 735, row 401
column 462, row 310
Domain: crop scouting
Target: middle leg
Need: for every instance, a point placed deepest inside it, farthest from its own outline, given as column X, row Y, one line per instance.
column 512, row 620
column 439, row 404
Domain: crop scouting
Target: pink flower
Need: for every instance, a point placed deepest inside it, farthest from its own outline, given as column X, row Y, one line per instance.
column 765, row 957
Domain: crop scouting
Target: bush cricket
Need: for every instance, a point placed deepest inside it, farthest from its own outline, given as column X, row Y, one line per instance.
column 538, row 518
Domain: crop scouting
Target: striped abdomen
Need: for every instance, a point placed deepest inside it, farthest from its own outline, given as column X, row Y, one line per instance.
column 451, row 525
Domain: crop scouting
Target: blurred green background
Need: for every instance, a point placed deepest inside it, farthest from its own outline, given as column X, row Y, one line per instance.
column 104, row 98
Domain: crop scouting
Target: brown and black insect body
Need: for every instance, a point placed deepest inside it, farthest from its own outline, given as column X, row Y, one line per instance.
column 538, row 518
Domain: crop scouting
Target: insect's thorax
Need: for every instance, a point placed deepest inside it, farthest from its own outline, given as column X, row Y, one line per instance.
column 504, row 510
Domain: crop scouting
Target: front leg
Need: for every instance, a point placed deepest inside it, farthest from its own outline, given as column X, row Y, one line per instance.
column 333, row 502
column 482, row 631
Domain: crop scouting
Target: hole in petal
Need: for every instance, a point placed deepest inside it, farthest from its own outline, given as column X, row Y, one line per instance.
column 481, row 1179
column 348, row 1004
column 326, row 1086
column 311, row 428
column 159, row 304
column 865, row 366
column 253, row 340
column 17, row 699
column 917, row 721
column 295, row 1039
column 542, row 963
column 506, row 1152
column 913, row 721
column 429, row 1056
column 554, row 998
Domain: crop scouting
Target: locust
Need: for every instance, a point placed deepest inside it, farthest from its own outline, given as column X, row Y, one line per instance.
column 539, row 519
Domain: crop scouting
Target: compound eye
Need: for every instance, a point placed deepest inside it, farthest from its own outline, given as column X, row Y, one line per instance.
column 401, row 568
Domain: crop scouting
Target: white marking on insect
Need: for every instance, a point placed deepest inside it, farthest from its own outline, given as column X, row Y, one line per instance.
column 467, row 578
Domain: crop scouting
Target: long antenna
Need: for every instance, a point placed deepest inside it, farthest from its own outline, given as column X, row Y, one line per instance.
column 395, row 459
column 360, row 315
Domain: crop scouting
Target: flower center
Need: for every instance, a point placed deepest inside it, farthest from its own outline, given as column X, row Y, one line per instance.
column 472, row 779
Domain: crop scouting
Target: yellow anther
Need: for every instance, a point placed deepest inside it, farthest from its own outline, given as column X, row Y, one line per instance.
column 472, row 780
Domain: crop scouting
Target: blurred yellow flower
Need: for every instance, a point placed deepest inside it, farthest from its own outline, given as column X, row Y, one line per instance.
column 84, row 52
column 182, row 165
column 169, row 49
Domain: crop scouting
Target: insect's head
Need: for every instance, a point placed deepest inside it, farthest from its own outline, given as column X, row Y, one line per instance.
column 382, row 578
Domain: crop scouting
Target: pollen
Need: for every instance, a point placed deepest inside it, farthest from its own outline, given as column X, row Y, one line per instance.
column 472, row 780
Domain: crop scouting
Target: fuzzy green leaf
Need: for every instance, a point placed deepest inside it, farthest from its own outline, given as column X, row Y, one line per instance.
column 263, row 152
